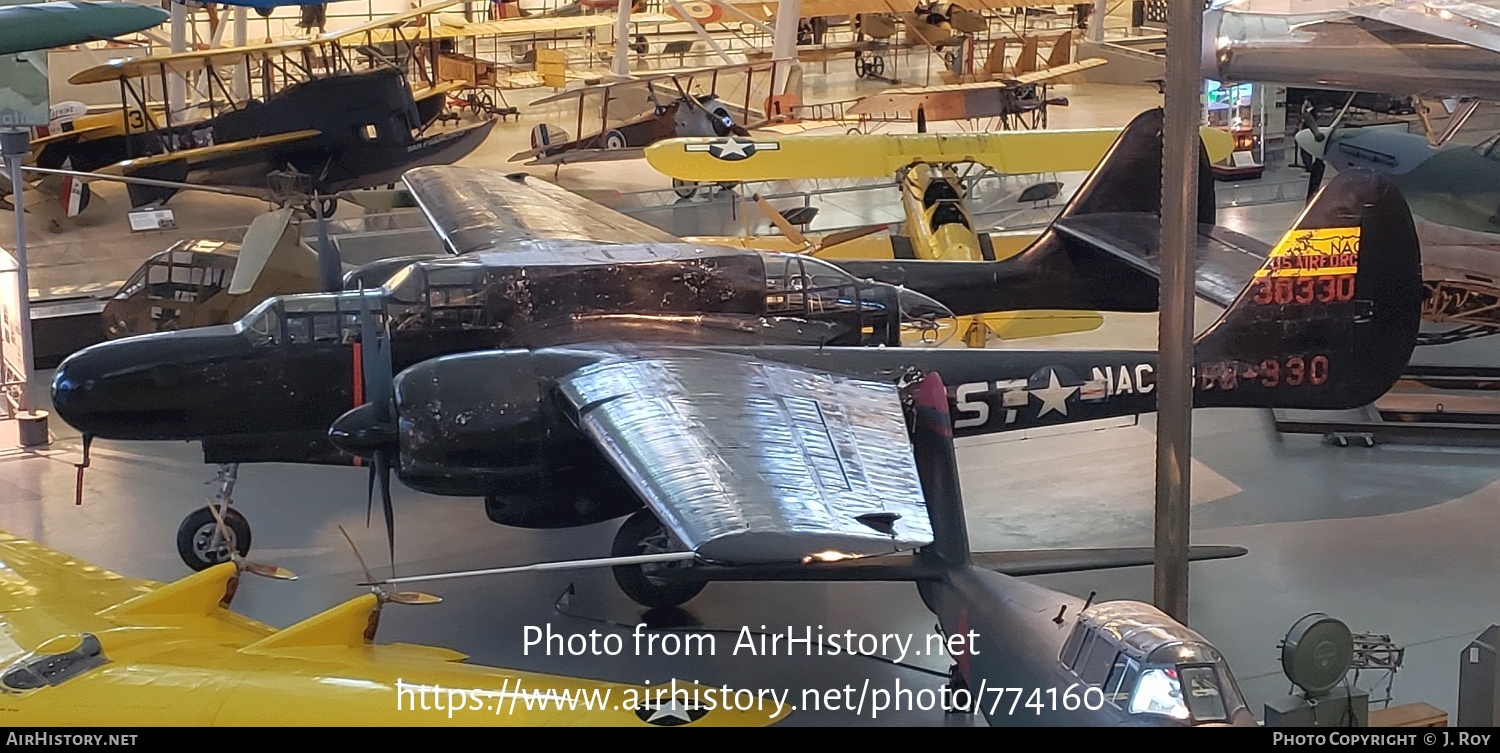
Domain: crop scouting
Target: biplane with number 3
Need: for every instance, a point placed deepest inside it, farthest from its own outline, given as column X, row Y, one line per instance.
column 333, row 115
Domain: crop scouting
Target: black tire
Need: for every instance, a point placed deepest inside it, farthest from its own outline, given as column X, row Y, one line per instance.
column 636, row 536
column 860, row 67
column 685, row 189
column 197, row 530
column 487, row 104
column 615, row 140
column 876, row 67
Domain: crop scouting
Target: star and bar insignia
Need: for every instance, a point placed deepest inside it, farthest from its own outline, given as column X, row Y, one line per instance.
column 670, row 712
column 733, row 149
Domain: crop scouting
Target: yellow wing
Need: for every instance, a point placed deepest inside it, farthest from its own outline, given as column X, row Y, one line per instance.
column 774, row 157
column 202, row 153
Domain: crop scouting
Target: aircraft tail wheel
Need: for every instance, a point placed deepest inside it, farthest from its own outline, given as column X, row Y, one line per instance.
column 195, row 538
column 614, row 140
column 686, row 189
column 642, row 533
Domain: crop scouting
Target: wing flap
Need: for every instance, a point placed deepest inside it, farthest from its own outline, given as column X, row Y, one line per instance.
column 476, row 210
column 750, row 462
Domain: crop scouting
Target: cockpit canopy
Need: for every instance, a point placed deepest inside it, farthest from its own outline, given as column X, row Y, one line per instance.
column 1142, row 661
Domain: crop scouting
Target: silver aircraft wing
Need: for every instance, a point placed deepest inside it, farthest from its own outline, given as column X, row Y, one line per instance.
column 1461, row 21
column 486, row 210
column 749, row 462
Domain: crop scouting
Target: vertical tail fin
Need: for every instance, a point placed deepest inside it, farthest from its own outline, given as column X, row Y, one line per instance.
column 1128, row 179
column 932, row 444
column 1331, row 318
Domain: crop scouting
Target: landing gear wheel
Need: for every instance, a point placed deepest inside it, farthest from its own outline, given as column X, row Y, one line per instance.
column 685, row 189
column 642, row 533
column 876, row 67
column 615, row 140
column 486, row 104
column 196, row 535
column 860, row 66
column 327, row 206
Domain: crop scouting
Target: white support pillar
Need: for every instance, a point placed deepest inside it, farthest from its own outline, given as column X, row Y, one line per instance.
column 176, row 93
column 241, row 35
column 1096, row 24
column 784, row 41
column 620, row 66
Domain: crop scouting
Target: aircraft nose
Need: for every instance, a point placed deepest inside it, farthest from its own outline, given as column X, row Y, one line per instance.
column 926, row 318
column 145, row 387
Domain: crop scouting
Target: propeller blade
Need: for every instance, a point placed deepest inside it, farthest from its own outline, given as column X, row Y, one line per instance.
column 1314, row 179
column 370, row 497
column 273, row 572
column 267, row 234
column 414, row 598
column 383, row 468
column 368, row 577
column 779, row 220
column 1309, row 121
column 844, row 236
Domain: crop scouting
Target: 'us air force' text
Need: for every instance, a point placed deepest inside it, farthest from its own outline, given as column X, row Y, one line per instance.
column 806, row 641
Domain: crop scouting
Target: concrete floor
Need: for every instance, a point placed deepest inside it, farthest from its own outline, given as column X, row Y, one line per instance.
column 1395, row 540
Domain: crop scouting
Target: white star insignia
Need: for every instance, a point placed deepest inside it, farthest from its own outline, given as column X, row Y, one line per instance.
column 670, row 710
column 732, row 148
column 1054, row 396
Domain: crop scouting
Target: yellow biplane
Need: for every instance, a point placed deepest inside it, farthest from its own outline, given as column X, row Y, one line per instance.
column 938, row 224
column 85, row 646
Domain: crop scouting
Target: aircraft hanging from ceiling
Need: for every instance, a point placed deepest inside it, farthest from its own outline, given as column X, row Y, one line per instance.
column 617, row 120
column 1418, row 47
column 530, row 280
column 328, row 130
column 75, row 654
column 27, row 26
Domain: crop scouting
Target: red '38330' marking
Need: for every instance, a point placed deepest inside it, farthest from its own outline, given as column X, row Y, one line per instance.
column 1304, row 290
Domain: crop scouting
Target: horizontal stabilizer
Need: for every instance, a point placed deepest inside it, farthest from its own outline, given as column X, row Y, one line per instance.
column 1045, row 561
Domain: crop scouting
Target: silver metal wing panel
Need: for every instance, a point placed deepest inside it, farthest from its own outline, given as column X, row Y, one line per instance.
column 479, row 210
column 750, row 462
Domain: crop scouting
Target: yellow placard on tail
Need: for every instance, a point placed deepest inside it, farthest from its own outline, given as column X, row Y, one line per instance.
column 1314, row 252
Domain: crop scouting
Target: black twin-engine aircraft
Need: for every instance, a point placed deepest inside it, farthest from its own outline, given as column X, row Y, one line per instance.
column 569, row 380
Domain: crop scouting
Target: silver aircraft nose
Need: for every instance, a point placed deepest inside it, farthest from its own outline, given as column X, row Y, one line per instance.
column 924, row 320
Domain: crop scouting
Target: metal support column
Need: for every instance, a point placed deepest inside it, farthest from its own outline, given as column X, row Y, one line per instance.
column 1096, row 23
column 176, row 94
column 620, row 65
column 15, row 145
column 240, row 36
column 1179, row 230
column 784, row 42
